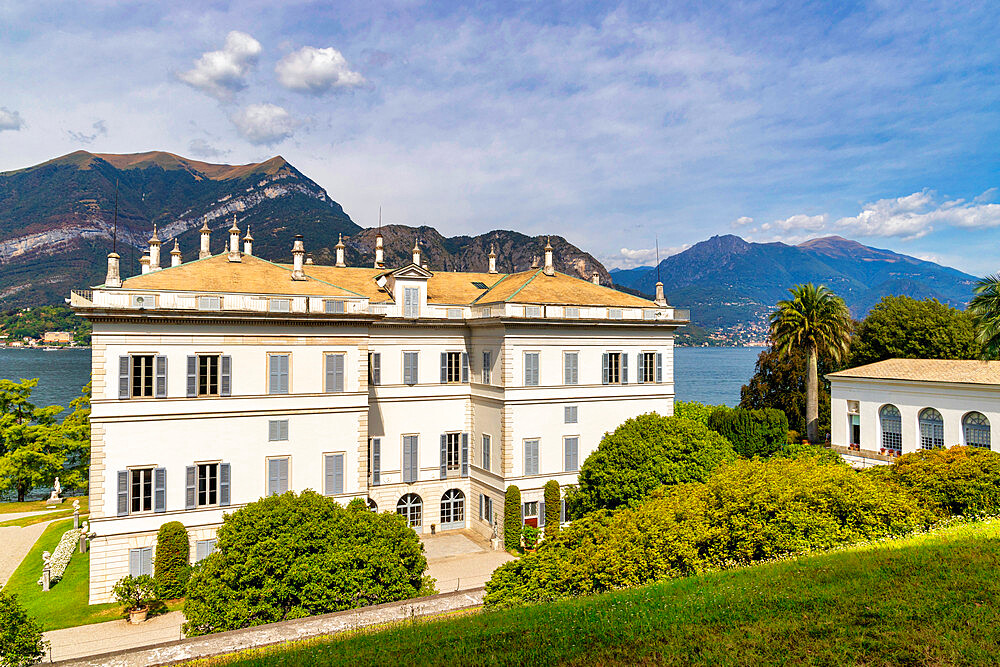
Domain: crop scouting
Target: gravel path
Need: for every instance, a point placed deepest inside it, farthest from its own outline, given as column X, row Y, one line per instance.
column 15, row 543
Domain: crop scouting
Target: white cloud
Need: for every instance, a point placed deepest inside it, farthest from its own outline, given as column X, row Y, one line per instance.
column 203, row 149
column 222, row 73
column 629, row 258
column 797, row 223
column 316, row 71
column 100, row 130
column 10, row 120
column 915, row 215
column 263, row 124
column 742, row 221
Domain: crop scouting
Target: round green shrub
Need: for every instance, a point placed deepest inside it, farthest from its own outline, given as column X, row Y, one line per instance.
column 553, row 508
column 751, row 432
column 954, row 481
column 289, row 556
column 21, row 642
column 171, row 567
column 512, row 518
column 641, row 455
column 694, row 410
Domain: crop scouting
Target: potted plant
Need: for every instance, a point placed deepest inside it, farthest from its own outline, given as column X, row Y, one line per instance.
column 529, row 536
column 135, row 594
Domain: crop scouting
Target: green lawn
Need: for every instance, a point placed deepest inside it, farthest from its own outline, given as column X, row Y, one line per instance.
column 926, row 600
column 39, row 505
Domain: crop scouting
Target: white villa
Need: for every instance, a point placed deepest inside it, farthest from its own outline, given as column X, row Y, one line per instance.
column 222, row 380
column 898, row 406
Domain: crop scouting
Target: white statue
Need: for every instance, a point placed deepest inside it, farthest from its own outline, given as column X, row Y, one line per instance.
column 57, row 488
column 46, row 557
column 76, row 505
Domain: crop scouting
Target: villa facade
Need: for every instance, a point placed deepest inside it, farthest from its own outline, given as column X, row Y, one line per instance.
column 229, row 378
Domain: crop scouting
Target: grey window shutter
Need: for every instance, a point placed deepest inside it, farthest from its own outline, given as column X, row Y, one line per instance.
column 465, row 367
column 659, row 367
column 161, row 376
column 272, row 374
column 640, row 367
column 338, row 372
column 160, row 490
column 414, row 454
column 607, row 371
column 338, row 473
column 465, row 455
column 124, row 376
column 624, row 358
column 134, row 562
column 562, row 511
column 190, row 483
column 541, row 514
column 408, row 472
column 272, row 476
column 567, row 373
column 330, row 382
column 328, row 475
column 376, row 461
column 524, row 511
column 444, row 367
column 200, row 549
column 122, row 492
column 224, row 481
column 444, row 456
column 282, row 475
column 272, row 430
column 376, row 368
column 146, row 561
column 192, row 375
column 226, row 375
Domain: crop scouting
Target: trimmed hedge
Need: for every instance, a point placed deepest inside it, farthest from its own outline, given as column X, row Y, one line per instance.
column 751, row 432
column 171, row 567
column 552, row 508
column 512, row 518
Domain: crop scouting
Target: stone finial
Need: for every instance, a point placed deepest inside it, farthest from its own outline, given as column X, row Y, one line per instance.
column 154, row 251
column 205, row 237
column 661, row 299
column 114, row 278
column 595, row 278
column 549, row 269
column 234, row 242
column 416, row 252
column 248, row 242
column 175, row 255
column 534, row 261
column 309, row 260
column 340, row 251
column 298, row 258
column 379, row 252
column 493, row 259
column 144, row 264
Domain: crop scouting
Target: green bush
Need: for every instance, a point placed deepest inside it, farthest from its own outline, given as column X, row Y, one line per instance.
column 134, row 592
column 289, row 556
column 21, row 642
column 171, row 567
column 954, row 481
column 694, row 410
column 553, row 508
column 748, row 511
column 751, row 432
column 512, row 519
column 796, row 448
column 641, row 455
column 530, row 535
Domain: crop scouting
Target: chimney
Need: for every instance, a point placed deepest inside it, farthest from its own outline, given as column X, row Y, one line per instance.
column 154, row 251
column 234, row 242
column 534, row 261
column 425, row 267
column 309, row 260
column 416, row 252
column 595, row 278
column 248, row 242
column 175, row 255
column 493, row 260
column 114, row 278
column 340, row 251
column 205, row 233
column 379, row 254
column 661, row 299
column 549, row 269
column 144, row 264
column 298, row 255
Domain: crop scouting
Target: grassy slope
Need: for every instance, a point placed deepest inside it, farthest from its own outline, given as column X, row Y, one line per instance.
column 64, row 510
column 932, row 599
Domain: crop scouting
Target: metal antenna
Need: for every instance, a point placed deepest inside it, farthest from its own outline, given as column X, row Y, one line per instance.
column 114, row 233
column 657, row 258
column 380, row 218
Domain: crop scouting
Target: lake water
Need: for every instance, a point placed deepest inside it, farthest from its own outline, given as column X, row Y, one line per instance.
column 706, row 374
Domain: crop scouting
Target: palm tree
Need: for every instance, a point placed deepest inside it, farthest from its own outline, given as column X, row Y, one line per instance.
column 816, row 321
column 985, row 310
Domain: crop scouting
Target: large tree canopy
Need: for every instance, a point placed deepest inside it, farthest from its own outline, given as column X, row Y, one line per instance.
column 899, row 327
column 779, row 381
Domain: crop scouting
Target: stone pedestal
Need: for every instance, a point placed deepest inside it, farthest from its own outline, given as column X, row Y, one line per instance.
column 46, row 578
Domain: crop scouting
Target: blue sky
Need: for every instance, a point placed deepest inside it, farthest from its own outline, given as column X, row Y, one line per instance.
column 610, row 124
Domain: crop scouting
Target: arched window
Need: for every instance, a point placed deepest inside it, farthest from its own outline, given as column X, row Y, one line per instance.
column 931, row 429
column 892, row 427
column 372, row 505
column 452, row 509
column 411, row 507
column 977, row 430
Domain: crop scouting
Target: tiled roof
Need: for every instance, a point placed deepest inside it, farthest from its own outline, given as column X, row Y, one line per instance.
column 927, row 370
column 536, row 287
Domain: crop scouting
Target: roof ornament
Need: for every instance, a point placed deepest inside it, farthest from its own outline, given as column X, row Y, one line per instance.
column 298, row 255
column 205, row 237
column 340, row 252
column 493, row 259
column 154, row 251
column 248, row 242
column 234, row 242
column 416, row 251
column 550, row 269
column 175, row 254
column 660, row 299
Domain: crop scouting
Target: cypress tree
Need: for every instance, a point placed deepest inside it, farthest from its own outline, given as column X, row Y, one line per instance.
column 512, row 518
column 552, row 508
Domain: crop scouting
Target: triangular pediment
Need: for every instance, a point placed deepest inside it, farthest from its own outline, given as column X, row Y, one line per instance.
column 411, row 271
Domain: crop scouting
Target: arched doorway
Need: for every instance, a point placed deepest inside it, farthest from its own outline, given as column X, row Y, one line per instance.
column 452, row 509
column 412, row 508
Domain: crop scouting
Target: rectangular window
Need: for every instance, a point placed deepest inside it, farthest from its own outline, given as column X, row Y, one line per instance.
column 571, row 367
column 333, row 473
column 277, row 382
column 334, row 372
column 569, row 414
column 647, row 367
column 571, row 453
column 277, row 430
column 208, row 484
column 142, row 375
column 531, row 457
column 453, row 367
column 614, row 313
column 375, row 460
column 855, row 429
column 333, row 306
column 209, row 303
column 531, row 369
column 571, row 312
column 488, row 509
column 140, row 562
column 277, row 476
column 487, row 366
column 454, row 313
column 279, row 305
column 487, row 312
column 410, row 367
column 208, row 374
column 453, row 451
column 141, row 490
column 486, row 451
column 529, row 513
column 203, row 549
column 411, row 446
column 648, row 314
column 532, row 311
column 375, row 368
column 613, row 367
column 411, row 302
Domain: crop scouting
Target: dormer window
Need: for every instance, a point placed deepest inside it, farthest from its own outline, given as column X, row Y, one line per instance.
column 279, row 305
column 209, row 303
column 333, row 306
column 454, row 313
column 532, row 311
column 411, row 302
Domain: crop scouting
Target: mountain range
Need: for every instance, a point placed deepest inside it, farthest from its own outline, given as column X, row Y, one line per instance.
column 726, row 280
column 57, row 222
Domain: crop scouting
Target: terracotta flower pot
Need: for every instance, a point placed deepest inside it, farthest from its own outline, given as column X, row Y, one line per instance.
column 137, row 615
